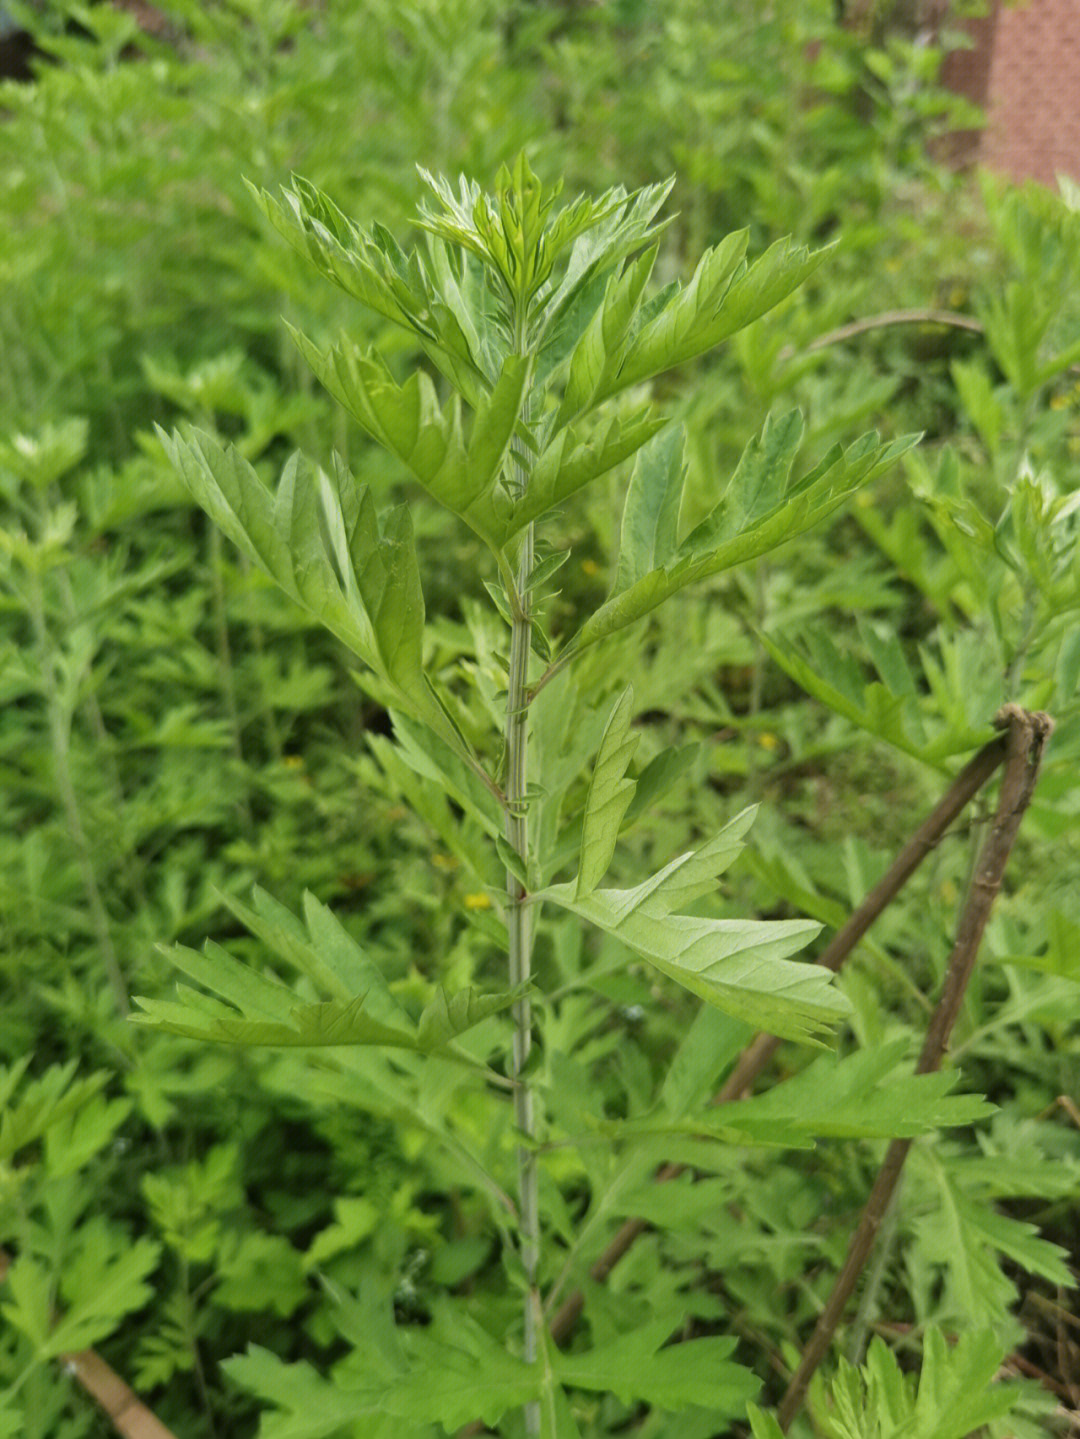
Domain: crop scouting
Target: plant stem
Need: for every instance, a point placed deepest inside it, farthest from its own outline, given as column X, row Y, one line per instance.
column 519, row 916
column 519, row 927
column 1026, row 736
column 59, row 717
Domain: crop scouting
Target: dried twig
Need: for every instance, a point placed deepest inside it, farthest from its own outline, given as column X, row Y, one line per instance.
column 1026, row 735
column 879, row 322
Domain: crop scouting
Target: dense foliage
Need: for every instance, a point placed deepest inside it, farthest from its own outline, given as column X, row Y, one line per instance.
column 256, row 1231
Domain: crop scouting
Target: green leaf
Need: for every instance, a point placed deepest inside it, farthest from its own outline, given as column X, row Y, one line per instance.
column 573, row 461
column 438, row 763
column 863, row 1096
column 957, row 1393
column 650, row 522
column 372, row 267
column 659, row 776
column 542, row 572
column 319, row 539
column 610, row 792
column 710, row 1046
column 449, row 1015
column 408, row 421
column 699, row 556
column 757, row 487
column 634, row 1367
column 106, row 1281
column 724, row 295
column 307, row 1406
column 763, row 1426
column 737, row 965
column 29, row 1108
column 334, row 1022
column 595, row 359
column 458, row 1373
column 512, row 861
column 31, row 1304
column 892, row 711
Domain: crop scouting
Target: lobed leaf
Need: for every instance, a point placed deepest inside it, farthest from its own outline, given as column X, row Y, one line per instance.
column 635, row 1368
column 739, row 966
column 570, row 463
column 699, row 556
column 724, row 295
column 319, row 539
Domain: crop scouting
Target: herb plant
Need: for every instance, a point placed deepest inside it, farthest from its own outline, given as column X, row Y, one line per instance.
column 538, row 320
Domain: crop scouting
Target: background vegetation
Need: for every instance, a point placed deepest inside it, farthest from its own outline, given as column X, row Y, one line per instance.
column 173, row 732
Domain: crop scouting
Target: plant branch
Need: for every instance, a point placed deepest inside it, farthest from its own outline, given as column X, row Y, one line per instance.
column 1026, row 736
column 758, row 1053
column 879, row 322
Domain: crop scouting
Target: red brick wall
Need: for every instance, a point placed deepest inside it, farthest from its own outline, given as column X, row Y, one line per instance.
column 1025, row 72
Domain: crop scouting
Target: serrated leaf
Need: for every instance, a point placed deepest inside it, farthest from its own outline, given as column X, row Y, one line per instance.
column 112, row 1285
column 30, row 1307
column 458, row 1373
column 427, row 438
column 862, row 1096
column 318, row 537
column 758, row 486
column 650, row 522
column 814, row 498
column 739, row 966
column 372, row 267
column 957, row 1393
column 434, row 761
column 573, row 460
column 596, row 357
column 30, row 1107
column 610, row 792
column 331, row 1023
column 724, row 295
column 449, row 1015
column 634, row 1367
column 308, row 1406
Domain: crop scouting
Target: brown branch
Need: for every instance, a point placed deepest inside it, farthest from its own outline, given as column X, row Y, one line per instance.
column 1026, row 735
column 120, row 1404
column 758, row 1053
column 879, row 322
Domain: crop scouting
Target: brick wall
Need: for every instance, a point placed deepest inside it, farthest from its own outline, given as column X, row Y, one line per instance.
column 1024, row 70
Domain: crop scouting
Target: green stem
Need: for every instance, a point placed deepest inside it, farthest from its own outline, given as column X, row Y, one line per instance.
column 520, row 918
column 520, row 926
column 59, row 718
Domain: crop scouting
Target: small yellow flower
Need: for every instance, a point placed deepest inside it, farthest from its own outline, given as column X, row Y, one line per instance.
column 590, row 567
column 768, row 741
column 293, row 761
column 477, row 901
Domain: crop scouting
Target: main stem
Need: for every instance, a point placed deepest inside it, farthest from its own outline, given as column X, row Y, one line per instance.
column 519, row 919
